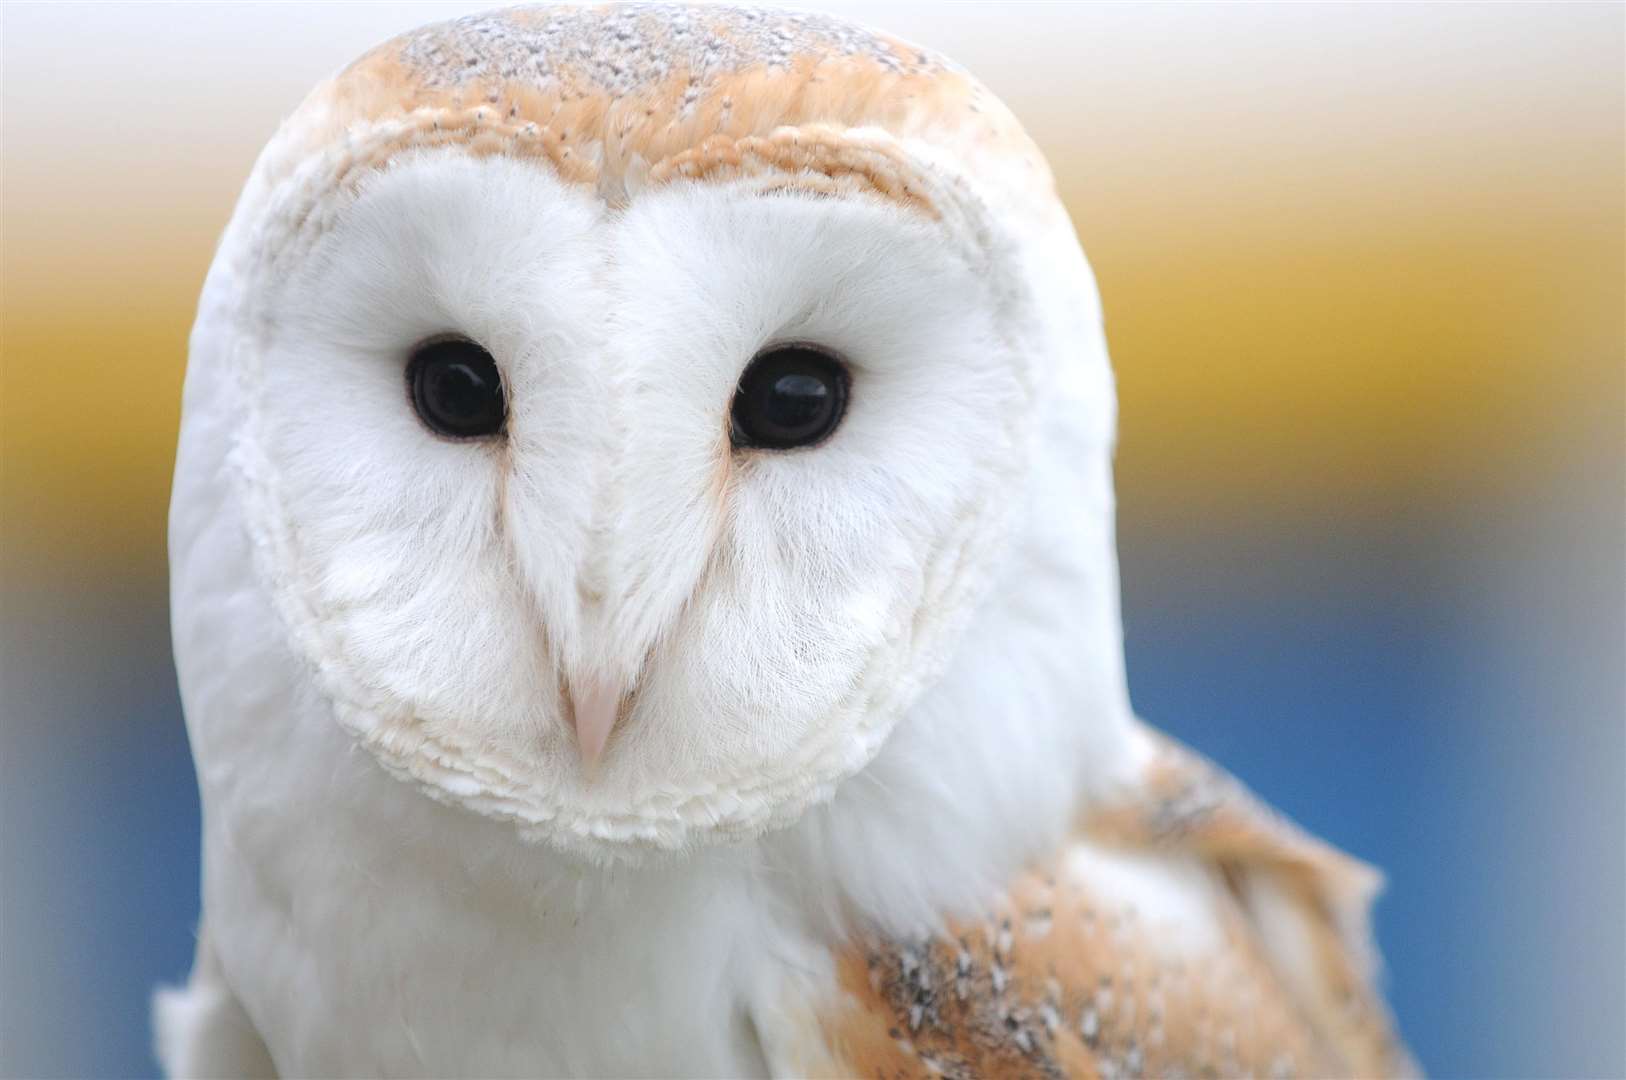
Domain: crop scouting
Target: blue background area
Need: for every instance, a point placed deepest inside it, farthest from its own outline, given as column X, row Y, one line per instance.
column 1328, row 671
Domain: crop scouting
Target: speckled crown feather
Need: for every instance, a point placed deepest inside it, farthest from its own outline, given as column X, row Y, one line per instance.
column 620, row 97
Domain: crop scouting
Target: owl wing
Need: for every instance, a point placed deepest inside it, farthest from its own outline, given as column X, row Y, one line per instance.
column 1186, row 929
column 201, row 1029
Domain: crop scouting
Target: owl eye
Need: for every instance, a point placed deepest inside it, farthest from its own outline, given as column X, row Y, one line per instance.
column 788, row 397
column 456, row 388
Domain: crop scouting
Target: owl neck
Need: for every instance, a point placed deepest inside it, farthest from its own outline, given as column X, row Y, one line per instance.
column 1029, row 720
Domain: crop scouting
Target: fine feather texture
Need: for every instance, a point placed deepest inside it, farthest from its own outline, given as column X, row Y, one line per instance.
column 770, row 613
column 867, row 683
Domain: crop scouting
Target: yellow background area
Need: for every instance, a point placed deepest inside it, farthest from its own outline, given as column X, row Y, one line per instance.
column 1343, row 257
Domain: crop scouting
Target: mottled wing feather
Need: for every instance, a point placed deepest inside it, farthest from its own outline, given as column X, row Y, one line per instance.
column 1063, row 977
column 1307, row 903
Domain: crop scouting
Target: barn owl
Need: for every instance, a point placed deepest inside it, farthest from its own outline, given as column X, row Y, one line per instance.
column 645, row 597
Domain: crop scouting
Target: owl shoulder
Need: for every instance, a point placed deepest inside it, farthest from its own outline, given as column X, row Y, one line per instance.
column 1185, row 929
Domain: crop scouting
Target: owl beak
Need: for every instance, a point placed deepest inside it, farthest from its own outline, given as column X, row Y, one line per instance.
column 594, row 707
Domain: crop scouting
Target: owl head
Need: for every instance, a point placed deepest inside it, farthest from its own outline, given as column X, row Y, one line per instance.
column 629, row 408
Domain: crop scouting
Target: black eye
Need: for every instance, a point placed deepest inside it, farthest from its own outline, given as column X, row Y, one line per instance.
column 456, row 389
column 790, row 396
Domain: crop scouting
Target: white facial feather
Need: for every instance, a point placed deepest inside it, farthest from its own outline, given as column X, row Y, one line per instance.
column 772, row 612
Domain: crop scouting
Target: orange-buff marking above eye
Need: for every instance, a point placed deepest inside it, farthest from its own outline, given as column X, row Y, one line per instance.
column 653, row 101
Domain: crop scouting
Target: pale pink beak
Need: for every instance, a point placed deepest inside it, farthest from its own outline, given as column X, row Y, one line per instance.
column 594, row 707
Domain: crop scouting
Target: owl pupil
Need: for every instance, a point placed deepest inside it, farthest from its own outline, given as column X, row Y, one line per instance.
column 456, row 388
column 789, row 397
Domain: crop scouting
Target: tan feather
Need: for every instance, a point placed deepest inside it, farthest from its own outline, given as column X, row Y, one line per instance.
column 1063, row 977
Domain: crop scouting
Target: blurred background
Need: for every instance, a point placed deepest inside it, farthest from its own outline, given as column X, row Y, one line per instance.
column 1364, row 270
